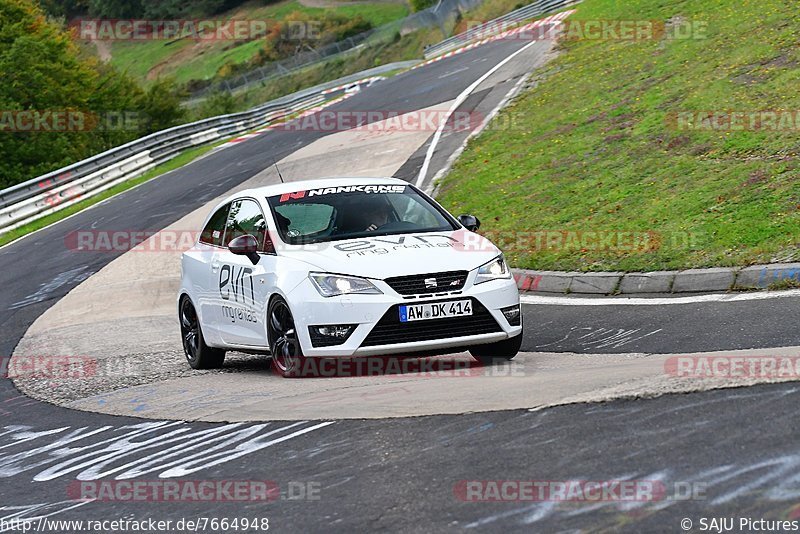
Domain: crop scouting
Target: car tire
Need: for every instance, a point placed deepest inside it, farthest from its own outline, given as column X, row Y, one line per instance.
column 287, row 354
column 198, row 354
column 501, row 351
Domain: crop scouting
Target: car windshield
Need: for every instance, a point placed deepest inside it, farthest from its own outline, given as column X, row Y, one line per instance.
column 346, row 212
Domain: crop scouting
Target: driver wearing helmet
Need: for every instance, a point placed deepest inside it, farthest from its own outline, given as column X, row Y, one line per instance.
column 377, row 214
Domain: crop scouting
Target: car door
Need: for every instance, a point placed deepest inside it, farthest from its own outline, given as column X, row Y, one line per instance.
column 198, row 266
column 242, row 286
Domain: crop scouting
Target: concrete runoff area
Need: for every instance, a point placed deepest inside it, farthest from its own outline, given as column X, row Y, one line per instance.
column 532, row 381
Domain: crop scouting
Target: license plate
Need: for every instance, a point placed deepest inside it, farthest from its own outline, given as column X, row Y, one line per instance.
column 435, row 310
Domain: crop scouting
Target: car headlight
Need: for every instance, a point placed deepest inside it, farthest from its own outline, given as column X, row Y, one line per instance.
column 330, row 285
column 494, row 270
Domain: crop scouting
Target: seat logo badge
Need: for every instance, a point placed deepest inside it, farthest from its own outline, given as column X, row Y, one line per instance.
column 430, row 282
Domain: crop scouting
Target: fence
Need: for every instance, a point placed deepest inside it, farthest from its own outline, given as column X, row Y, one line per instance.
column 495, row 26
column 280, row 68
column 443, row 15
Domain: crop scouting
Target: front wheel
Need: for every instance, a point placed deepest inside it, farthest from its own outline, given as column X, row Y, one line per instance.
column 198, row 354
column 287, row 356
column 497, row 352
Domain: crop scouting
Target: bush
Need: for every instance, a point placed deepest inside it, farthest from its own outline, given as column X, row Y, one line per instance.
column 161, row 106
column 43, row 71
column 217, row 104
column 419, row 5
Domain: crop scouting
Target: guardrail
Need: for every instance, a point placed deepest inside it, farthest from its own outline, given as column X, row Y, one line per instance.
column 36, row 198
column 54, row 191
column 41, row 196
column 487, row 29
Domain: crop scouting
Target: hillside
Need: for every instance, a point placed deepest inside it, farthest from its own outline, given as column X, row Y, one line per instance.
column 188, row 59
column 649, row 154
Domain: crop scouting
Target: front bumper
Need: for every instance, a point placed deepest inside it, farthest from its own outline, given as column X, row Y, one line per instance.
column 373, row 314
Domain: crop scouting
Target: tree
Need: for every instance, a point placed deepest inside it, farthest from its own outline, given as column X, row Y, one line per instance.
column 39, row 72
column 116, row 9
column 161, row 106
column 65, row 8
column 419, row 5
column 42, row 72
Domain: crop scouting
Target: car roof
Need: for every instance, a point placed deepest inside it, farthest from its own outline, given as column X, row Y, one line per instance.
column 304, row 185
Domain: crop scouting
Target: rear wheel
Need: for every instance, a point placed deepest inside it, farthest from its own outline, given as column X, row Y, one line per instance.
column 287, row 356
column 501, row 351
column 198, row 354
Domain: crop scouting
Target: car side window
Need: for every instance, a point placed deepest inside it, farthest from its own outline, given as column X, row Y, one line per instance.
column 214, row 232
column 245, row 218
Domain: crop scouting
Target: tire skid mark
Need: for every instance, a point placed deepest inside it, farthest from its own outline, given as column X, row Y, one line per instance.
column 73, row 276
column 166, row 448
column 600, row 337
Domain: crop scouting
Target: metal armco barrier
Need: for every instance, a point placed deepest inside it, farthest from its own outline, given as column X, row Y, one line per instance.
column 36, row 198
column 487, row 29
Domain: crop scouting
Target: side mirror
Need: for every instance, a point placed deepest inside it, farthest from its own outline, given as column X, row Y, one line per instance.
column 470, row 222
column 245, row 245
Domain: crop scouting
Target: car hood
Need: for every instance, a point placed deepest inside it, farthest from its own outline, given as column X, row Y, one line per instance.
column 397, row 255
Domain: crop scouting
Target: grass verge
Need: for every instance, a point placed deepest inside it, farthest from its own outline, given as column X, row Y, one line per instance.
column 179, row 161
column 590, row 171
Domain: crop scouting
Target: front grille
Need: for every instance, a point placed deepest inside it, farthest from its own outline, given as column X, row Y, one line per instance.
column 415, row 284
column 389, row 330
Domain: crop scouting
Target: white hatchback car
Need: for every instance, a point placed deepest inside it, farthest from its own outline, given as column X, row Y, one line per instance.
column 342, row 268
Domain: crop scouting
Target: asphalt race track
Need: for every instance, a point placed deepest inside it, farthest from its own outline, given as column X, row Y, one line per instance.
column 734, row 448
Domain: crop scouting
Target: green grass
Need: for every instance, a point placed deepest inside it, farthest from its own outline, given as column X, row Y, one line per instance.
column 377, row 13
column 137, row 58
column 591, row 147
column 179, row 161
column 786, row 283
column 187, row 60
